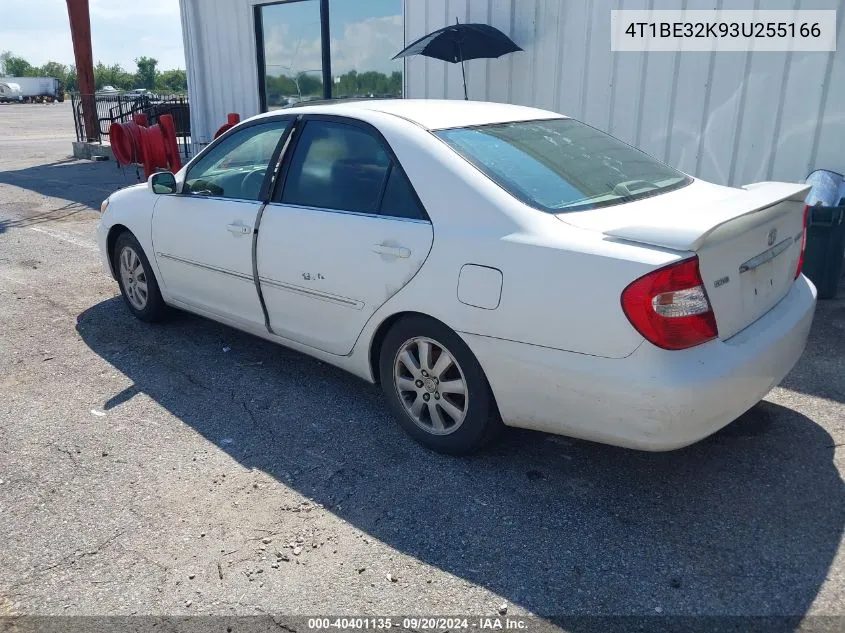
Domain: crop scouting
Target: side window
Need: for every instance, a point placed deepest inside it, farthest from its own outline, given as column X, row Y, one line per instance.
column 236, row 167
column 399, row 200
column 336, row 166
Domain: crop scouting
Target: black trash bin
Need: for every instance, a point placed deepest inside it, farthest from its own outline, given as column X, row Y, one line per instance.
column 823, row 258
column 825, row 231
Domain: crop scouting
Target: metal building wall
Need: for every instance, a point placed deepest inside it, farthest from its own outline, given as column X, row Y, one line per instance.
column 219, row 38
column 732, row 118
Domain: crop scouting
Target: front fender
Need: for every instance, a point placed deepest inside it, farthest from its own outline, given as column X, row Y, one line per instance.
column 129, row 209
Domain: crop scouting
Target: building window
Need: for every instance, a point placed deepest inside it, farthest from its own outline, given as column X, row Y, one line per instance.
column 315, row 49
column 291, row 51
column 365, row 35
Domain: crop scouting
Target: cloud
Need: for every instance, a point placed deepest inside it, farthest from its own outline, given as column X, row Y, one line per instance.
column 369, row 45
column 121, row 10
column 121, row 30
column 287, row 53
column 364, row 45
column 37, row 46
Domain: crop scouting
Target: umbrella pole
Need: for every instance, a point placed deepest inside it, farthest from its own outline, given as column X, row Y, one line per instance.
column 463, row 68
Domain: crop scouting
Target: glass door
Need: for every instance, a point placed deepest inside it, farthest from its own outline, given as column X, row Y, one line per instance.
column 312, row 49
column 366, row 34
column 290, row 49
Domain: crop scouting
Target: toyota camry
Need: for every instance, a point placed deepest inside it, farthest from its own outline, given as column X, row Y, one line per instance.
column 486, row 264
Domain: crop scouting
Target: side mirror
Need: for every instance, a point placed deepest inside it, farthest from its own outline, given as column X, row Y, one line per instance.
column 163, row 182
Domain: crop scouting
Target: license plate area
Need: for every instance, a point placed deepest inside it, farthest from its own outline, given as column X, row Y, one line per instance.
column 758, row 277
column 758, row 285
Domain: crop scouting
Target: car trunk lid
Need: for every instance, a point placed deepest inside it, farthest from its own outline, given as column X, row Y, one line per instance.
column 747, row 240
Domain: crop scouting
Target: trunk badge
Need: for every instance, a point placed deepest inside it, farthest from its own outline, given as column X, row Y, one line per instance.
column 721, row 282
column 773, row 235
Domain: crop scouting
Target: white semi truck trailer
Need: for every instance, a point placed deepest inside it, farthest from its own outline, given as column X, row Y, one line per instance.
column 34, row 89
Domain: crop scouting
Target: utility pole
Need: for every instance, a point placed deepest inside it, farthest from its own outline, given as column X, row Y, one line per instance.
column 80, row 33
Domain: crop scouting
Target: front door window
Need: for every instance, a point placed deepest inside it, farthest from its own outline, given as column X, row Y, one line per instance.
column 236, row 167
column 337, row 166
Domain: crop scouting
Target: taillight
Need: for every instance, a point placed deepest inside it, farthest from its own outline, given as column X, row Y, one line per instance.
column 670, row 308
column 803, row 243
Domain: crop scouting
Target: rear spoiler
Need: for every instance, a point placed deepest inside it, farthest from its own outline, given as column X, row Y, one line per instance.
column 700, row 222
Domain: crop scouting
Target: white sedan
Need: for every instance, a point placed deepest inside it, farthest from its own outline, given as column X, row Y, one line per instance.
column 487, row 264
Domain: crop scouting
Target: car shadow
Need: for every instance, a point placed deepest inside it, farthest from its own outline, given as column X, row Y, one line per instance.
column 82, row 184
column 746, row 522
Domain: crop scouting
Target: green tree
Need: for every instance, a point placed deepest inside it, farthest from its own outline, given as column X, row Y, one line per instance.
column 56, row 71
column 14, row 66
column 104, row 75
column 71, row 82
column 146, row 75
column 309, row 84
column 113, row 75
column 172, row 81
column 354, row 84
column 53, row 69
column 279, row 87
column 396, row 85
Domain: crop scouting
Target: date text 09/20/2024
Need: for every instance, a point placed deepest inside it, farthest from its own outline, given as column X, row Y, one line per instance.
column 418, row 623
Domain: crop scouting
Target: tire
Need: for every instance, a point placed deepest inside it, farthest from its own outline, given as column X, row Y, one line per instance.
column 149, row 308
column 425, row 397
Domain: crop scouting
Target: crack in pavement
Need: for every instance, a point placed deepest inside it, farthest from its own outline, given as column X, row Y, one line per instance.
column 38, row 571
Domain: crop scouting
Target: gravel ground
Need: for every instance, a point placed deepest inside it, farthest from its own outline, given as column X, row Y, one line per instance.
column 187, row 468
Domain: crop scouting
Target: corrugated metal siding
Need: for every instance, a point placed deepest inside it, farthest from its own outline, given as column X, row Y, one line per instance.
column 731, row 118
column 219, row 37
column 727, row 117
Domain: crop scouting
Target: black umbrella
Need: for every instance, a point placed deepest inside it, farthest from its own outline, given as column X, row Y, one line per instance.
column 461, row 42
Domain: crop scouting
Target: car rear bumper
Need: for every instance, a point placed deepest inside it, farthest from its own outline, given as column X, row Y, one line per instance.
column 654, row 399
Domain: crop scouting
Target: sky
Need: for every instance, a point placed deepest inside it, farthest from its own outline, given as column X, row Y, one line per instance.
column 365, row 33
column 121, row 31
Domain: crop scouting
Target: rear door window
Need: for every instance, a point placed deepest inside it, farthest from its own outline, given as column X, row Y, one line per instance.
column 336, row 166
column 399, row 200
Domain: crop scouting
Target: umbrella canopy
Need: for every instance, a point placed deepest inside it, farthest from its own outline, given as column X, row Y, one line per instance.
column 458, row 43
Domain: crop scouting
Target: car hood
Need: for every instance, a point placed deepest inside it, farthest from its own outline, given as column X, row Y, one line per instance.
column 125, row 192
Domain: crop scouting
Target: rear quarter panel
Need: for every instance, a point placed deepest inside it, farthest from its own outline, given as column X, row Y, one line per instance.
column 561, row 285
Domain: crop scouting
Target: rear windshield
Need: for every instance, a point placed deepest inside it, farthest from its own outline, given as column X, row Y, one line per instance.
column 561, row 165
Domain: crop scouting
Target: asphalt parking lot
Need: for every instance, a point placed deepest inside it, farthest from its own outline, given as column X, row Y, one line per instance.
column 187, row 468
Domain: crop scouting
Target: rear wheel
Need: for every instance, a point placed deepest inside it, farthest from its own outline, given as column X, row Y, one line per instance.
column 137, row 281
column 436, row 388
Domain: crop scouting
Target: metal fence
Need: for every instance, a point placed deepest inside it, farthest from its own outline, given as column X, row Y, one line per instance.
column 120, row 108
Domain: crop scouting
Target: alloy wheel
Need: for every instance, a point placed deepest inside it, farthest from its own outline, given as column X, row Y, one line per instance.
column 431, row 385
column 134, row 278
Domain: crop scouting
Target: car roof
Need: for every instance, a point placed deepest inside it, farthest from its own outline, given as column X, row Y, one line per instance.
column 432, row 114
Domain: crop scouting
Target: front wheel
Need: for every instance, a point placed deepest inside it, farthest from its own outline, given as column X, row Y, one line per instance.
column 137, row 281
column 436, row 388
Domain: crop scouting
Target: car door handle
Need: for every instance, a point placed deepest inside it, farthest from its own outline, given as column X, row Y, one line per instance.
column 239, row 228
column 393, row 251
